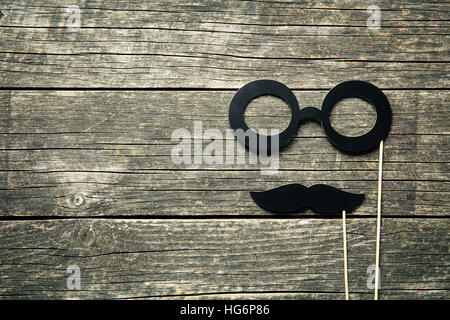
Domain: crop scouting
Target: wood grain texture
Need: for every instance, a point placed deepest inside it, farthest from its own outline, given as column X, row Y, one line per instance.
column 215, row 44
column 294, row 258
column 114, row 149
column 86, row 176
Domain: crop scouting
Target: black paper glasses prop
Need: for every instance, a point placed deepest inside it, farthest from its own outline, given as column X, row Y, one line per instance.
column 321, row 198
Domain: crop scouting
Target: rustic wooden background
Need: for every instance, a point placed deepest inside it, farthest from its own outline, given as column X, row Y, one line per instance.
column 86, row 177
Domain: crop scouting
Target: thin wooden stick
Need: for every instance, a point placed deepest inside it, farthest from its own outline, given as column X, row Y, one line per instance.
column 377, row 257
column 344, row 235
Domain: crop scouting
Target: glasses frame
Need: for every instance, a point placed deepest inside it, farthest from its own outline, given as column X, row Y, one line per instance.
column 348, row 89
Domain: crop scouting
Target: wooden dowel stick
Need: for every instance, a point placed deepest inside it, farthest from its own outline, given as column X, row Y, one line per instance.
column 344, row 236
column 377, row 257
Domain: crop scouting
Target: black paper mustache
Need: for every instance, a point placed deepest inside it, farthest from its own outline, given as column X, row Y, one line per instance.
column 320, row 197
column 296, row 197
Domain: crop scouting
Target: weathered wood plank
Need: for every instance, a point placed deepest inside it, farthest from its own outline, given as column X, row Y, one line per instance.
column 176, row 13
column 107, row 153
column 114, row 149
column 216, row 44
column 109, row 112
column 221, row 258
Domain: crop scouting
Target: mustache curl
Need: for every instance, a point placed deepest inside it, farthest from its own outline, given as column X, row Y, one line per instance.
column 296, row 197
